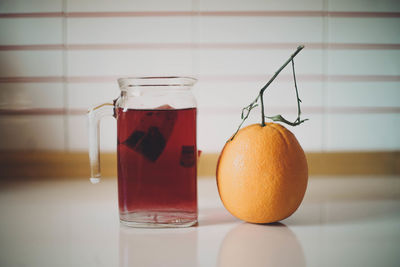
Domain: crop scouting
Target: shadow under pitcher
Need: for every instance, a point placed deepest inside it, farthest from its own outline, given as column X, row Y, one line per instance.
column 156, row 150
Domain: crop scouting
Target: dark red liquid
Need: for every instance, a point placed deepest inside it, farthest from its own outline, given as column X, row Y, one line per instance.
column 157, row 160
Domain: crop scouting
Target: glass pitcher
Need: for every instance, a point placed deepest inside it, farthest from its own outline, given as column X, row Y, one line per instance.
column 156, row 150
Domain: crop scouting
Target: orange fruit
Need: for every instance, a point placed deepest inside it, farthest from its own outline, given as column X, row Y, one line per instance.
column 262, row 174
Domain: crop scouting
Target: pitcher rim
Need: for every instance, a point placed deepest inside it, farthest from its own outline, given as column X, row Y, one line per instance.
column 155, row 81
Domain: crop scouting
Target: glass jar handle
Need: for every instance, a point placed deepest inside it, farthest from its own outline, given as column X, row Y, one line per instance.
column 95, row 114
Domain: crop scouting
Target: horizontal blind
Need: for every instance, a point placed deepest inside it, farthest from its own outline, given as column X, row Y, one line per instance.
column 57, row 58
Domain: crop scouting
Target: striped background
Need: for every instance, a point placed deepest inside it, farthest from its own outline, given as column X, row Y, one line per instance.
column 57, row 58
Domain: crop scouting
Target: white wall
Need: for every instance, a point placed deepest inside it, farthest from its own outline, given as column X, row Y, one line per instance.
column 57, row 58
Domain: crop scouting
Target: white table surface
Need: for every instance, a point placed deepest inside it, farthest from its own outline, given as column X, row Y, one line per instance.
column 343, row 221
